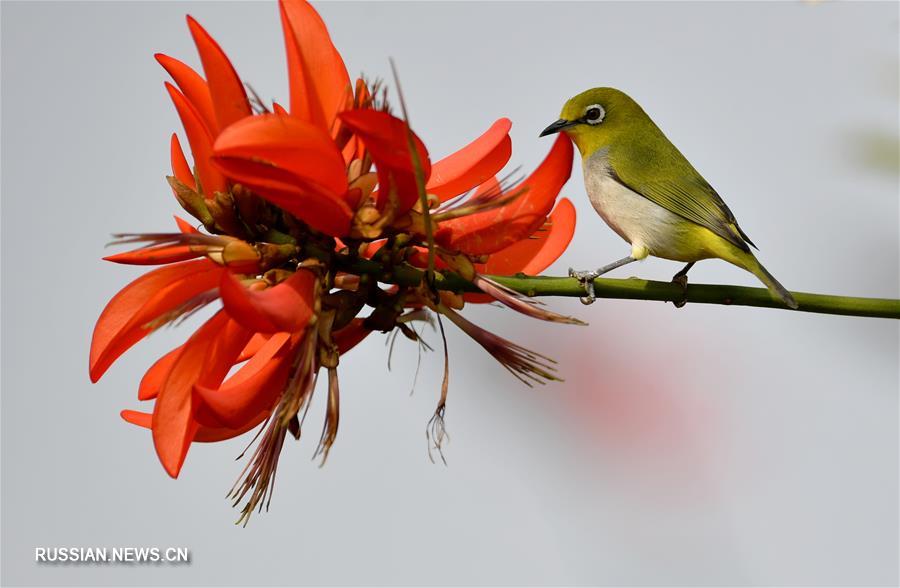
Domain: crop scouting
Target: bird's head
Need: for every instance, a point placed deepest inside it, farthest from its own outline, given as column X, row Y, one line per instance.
column 597, row 118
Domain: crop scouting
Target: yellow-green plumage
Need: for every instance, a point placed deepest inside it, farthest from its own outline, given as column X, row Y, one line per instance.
column 647, row 191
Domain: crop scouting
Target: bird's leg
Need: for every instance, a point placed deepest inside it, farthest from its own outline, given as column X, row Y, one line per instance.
column 586, row 278
column 682, row 280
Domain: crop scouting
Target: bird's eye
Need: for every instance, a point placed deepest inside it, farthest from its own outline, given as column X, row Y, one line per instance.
column 594, row 114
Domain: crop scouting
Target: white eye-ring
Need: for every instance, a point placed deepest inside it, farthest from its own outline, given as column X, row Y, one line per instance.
column 593, row 114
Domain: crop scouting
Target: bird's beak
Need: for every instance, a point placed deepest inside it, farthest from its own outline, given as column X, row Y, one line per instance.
column 558, row 126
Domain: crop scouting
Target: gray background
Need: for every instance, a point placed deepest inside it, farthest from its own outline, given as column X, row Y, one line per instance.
column 705, row 445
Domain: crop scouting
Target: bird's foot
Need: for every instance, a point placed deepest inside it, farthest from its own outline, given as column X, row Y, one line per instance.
column 586, row 279
column 681, row 280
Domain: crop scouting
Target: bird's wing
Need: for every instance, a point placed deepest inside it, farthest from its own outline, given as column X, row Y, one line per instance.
column 674, row 184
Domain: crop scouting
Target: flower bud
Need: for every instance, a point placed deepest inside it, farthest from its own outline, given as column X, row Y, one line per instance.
column 192, row 202
column 452, row 300
column 237, row 253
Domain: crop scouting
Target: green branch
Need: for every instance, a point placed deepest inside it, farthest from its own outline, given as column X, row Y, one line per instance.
column 635, row 289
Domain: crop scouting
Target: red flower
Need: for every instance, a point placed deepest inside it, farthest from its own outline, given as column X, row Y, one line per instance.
column 298, row 207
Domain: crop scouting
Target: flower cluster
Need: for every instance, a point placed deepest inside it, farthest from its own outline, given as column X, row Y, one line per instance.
column 317, row 224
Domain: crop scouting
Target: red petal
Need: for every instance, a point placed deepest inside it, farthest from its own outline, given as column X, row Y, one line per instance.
column 321, row 209
column 561, row 232
column 125, row 319
column 493, row 230
column 225, row 88
column 350, row 336
column 374, row 247
column 253, row 388
column 319, row 84
column 287, row 306
column 204, row 434
column 387, row 139
column 475, row 163
column 292, row 164
column 155, row 255
column 194, row 89
column 213, row 434
column 184, row 226
column 205, row 360
column 253, row 346
column 141, row 419
column 155, row 376
column 289, row 144
column 157, row 373
column 201, row 143
column 534, row 255
column 180, row 167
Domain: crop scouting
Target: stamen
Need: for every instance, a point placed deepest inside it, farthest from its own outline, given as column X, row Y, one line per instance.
column 527, row 366
column 180, row 314
column 436, row 430
column 258, row 476
column 332, row 417
column 520, row 303
column 505, row 184
column 153, row 239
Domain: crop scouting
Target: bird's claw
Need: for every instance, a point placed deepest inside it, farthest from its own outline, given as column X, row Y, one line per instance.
column 586, row 279
column 681, row 280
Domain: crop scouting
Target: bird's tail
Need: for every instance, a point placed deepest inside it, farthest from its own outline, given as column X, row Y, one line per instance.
column 749, row 262
column 746, row 260
column 773, row 285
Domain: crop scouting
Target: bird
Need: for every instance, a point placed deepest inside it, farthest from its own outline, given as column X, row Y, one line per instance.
column 650, row 194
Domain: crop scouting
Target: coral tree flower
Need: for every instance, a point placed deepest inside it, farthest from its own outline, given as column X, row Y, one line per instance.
column 304, row 210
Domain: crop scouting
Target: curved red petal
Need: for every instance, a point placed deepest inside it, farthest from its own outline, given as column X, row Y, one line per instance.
column 214, row 434
column 201, row 143
column 292, row 164
column 350, row 336
column 184, row 226
column 155, row 376
column 286, row 143
column 203, row 434
column 194, row 88
column 127, row 317
column 287, row 306
column 180, row 167
column 155, row 255
column 493, row 230
column 318, row 207
column 205, row 360
column 472, row 165
column 387, row 138
column 319, row 84
column 373, row 247
column 135, row 417
column 253, row 346
column 253, row 388
column 533, row 255
column 562, row 229
column 229, row 98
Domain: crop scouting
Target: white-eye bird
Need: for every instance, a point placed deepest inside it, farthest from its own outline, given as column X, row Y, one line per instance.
column 648, row 193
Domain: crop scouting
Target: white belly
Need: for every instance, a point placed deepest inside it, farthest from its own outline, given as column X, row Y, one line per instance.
column 650, row 228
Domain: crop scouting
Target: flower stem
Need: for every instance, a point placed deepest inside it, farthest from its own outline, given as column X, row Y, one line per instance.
column 635, row 289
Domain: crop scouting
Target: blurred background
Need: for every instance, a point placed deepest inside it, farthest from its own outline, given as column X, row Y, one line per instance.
column 701, row 446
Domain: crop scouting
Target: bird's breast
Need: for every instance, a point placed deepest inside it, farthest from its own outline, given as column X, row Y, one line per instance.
column 635, row 218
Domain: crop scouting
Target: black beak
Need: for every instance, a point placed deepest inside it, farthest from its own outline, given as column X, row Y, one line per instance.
column 558, row 126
